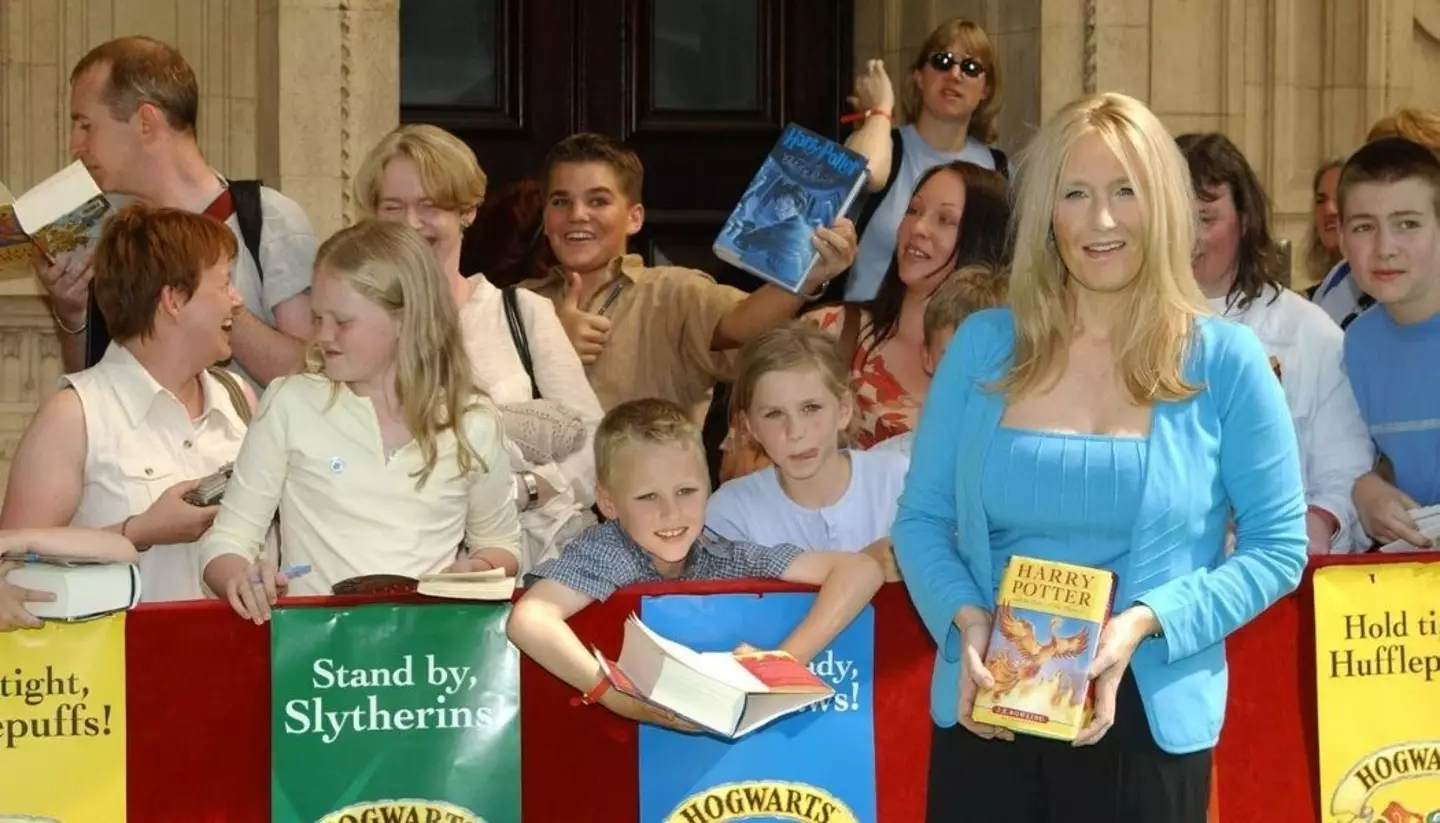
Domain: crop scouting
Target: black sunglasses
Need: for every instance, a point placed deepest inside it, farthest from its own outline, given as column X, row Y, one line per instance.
column 941, row 61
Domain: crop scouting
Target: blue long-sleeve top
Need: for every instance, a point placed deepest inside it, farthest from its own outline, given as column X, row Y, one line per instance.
column 1230, row 449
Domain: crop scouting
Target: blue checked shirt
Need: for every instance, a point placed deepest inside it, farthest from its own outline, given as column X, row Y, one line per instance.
column 604, row 558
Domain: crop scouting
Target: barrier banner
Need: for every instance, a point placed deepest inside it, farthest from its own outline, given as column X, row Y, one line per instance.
column 394, row 712
column 817, row 766
column 1377, row 659
column 62, row 722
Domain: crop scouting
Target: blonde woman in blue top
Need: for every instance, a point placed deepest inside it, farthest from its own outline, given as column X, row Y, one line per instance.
column 1103, row 419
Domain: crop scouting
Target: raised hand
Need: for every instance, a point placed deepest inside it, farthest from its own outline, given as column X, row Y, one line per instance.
column 588, row 332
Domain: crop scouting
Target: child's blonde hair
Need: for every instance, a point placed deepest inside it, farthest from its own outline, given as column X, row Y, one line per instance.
column 968, row 290
column 796, row 345
column 649, row 420
column 392, row 266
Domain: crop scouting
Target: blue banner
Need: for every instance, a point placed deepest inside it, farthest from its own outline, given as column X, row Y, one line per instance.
column 816, row 766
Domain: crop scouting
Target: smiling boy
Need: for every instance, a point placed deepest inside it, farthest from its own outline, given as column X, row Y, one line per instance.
column 653, row 485
column 1389, row 200
column 649, row 331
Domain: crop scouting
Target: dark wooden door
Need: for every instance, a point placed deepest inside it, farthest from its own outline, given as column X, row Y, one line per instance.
column 699, row 88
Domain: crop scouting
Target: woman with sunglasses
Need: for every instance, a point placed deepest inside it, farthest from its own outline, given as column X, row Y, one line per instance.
column 950, row 101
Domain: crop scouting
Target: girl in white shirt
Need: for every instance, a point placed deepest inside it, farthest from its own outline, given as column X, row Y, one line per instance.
column 426, row 177
column 792, row 397
column 383, row 457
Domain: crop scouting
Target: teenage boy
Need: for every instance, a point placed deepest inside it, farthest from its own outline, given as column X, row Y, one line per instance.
column 653, row 484
column 643, row 331
column 1389, row 195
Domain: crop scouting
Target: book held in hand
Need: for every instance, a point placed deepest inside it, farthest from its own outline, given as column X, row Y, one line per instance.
column 83, row 588
column 728, row 693
column 1048, row 619
column 490, row 584
column 807, row 182
column 62, row 214
column 1427, row 522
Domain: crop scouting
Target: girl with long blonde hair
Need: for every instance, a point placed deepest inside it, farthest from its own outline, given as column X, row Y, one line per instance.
column 382, row 457
column 1105, row 420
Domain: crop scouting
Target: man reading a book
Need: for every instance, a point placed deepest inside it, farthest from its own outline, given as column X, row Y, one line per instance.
column 649, row 331
column 133, row 110
column 653, row 485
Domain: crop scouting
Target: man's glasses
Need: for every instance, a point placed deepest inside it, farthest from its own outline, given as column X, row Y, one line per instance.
column 941, row 61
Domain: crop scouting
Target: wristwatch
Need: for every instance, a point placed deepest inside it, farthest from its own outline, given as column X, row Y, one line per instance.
column 532, row 489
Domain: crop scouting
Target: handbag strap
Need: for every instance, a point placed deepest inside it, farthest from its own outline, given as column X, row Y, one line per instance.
column 238, row 400
column 511, row 300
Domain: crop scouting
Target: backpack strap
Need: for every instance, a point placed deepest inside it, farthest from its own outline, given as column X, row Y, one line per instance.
column 869, row 203
column 849, row 342
column 238, row 400
column 1002, row 162
column 246, row 194
column 510, row 298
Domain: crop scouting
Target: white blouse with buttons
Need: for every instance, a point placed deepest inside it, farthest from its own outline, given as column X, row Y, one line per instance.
column 347, row 506
column 140, row 441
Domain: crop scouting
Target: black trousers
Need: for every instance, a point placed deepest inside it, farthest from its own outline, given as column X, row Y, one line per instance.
column 1125, row 778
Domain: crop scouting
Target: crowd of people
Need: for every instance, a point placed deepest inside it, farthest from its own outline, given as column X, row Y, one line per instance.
column 1094, row 356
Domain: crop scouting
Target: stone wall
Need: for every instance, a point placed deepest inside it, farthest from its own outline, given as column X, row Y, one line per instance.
column 292, row 91
column 1292, row 82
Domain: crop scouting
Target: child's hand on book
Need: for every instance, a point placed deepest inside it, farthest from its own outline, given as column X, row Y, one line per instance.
column 974, row 626
column 1122, row 633
column 642, row 712
column 837, row 251
column 13, row 614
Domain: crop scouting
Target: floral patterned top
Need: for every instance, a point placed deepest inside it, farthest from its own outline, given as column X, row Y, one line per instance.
column 883, row 407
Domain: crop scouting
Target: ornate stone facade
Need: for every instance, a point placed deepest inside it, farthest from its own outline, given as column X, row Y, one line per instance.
column 294, row 90
column 291, row 91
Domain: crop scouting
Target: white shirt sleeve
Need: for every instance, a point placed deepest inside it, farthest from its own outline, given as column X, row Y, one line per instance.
column 491, row 519
column 561, row 378
column 253, row 492
column 1333, row 437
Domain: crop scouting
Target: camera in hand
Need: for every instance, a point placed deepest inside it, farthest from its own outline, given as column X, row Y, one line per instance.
column 211, row 487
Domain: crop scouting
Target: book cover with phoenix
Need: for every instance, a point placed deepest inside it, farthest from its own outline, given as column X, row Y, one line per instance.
column 1048, row 618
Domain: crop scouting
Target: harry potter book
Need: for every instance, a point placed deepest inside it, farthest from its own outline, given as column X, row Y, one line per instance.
column 63, row 213
column 1048, row 619
column 728, row 693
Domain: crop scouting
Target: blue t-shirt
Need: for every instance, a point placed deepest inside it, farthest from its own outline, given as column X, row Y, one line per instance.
column 1395, row 373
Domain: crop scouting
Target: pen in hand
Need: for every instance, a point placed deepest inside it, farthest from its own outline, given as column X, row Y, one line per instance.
column 289, row 572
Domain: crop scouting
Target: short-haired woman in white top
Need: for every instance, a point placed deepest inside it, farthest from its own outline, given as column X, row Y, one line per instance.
column 121, row 443
column 426, row 177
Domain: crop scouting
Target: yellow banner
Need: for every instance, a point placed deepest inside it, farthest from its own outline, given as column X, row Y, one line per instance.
column 1377, row 661
column 62, row 722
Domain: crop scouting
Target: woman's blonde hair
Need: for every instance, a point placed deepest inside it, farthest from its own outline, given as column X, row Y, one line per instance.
column 449, row 170
column 1163, row 303
column 974, row 42
column 796, row 345
column 392, row 266
column 1318, row 259
column 1414, row 124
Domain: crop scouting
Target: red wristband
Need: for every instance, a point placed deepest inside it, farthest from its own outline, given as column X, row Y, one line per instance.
column 857, row 116
column 593, row 696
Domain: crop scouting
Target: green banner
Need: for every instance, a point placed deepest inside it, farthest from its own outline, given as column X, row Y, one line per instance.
column 403, row 714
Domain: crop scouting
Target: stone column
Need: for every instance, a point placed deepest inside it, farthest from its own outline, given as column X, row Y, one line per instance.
column 329, row 74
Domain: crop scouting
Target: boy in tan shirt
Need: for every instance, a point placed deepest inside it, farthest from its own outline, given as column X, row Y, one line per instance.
column 643, row 331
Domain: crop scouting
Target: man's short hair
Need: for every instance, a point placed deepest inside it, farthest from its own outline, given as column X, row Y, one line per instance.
column 649, row 420
column 145, row 70
column 588, row 147
column 966, row 291
column 1390, row 160
column 142, row 251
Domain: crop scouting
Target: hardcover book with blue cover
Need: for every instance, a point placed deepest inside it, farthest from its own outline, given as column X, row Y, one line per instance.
column 808, row 181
